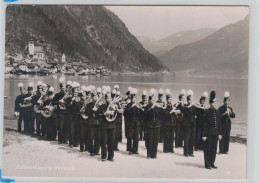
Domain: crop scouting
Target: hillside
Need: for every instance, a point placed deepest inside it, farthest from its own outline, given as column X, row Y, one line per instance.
column 158, row 47
column 225, row 51
column 91, row 34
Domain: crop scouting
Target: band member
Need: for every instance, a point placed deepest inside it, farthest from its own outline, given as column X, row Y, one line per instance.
column 75, row 106
column 200, row 119
column 126, row 101
column 169, row 123
column 226, row 113
column 50, row 120
column 160, row 100
column 153, row 114
column 143, row 103
column 38, row 96
column 93, row 124
column 189, row 119
column 28, row 112
column 59, row 101
column 133, row 113
column 17, row 109
column 179, row 129
column 107, row 128
column 211, row 132
column 118, row 122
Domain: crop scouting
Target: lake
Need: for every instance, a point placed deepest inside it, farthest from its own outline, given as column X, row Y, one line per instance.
column 238, row 89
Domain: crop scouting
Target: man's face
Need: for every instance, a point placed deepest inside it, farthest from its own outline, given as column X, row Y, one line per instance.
column 63, row 88
column 133, row 99
column 152, row 100
column 22, row 90
column 214, row 105
column 160, row 98
column 144, row 99
column 30, row 91
column 227, row 102
column 169, row 100
column 109, row 99
column 202, row 102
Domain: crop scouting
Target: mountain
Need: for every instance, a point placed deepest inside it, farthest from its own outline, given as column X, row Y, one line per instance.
column 158, row 47
column 226, row 50
column 91, row 34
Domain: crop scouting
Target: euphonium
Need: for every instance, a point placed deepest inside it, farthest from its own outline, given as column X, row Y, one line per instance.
column 37, row 105
column 112, row 110
column 62, row 102
column 82, row 110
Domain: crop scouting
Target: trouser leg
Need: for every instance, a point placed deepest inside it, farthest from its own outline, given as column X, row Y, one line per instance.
column 20, row 119
column 120, row 131
column 136, row 139
column 96, row 139
column 61, row 121
column 110, row 142
column 191, row 141
column 161, row 137
column 213, row 149
column 72, row 132
column 43, row 126
column 187, row 139
column 155, row 141
column 66, row 128
column 117, row 136
column 171, row 139
column 166, row 139
column 82, row 136
column 227, row 139
column 206, row 152
column 38, row 124
column 148, row 140
column 104, row 144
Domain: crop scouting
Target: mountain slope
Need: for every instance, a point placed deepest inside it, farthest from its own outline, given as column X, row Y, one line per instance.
column 158, row 47
column 86, row 33
column 226, row 50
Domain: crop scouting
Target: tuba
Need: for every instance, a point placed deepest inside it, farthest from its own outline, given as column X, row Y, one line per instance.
column 47, row 111
column 112, row 110
column 62, row 102
column 82, row 110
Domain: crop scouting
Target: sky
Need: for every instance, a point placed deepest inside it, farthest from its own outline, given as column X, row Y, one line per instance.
column 158, row 22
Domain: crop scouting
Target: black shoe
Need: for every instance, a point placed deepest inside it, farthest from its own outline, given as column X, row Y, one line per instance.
column 171, row 151
column 92, row 154
column 135, row 153
column 116, row 149
column 130, row 152
column 207, row 167
column 186, row 155
column 110, row 159
column 103, row 159
column 191, row 155
column 213, row 166
column 196, row 149
column 225, row 153
column 81, row 150
column 96, row 153
column 71, row 146
column 165, row 151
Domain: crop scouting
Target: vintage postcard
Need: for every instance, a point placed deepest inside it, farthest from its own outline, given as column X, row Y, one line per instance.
column 94, row 91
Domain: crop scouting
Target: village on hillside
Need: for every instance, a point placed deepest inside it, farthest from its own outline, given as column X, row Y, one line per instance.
column 34, row 61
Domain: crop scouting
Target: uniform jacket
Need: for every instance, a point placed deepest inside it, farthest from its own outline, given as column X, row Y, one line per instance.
column 189, row 115
column 169, row 119
column 134, row 115
column 212, row 124
column 153, row 117
column 18, row 100
column 91, row 114
column 200, row 117
column 225, row 118
column 101, row 115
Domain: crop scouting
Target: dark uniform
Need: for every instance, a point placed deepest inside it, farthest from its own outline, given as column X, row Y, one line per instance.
column 133, row 114
column 169, row 128
column 118, row 122
column 189, row 120
column 226, row 128
column 211, row 128
column 38, row 116
column 127, row 123
column 162, row 128
column 153, row 122
column 179, row 128
column 142, row 126
column 75, row 107
column 93, row 129
column 200, row 119
column 108, row 131
column 51, row 127
column 17, row 108
column 62, row 118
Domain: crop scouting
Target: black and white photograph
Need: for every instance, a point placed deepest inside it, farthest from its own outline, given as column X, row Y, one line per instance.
column 93, row 91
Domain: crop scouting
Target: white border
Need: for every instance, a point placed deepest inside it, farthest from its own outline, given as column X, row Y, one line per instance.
column 253, row 127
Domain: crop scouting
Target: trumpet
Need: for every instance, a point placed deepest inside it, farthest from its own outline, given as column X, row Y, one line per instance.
column 159, row 105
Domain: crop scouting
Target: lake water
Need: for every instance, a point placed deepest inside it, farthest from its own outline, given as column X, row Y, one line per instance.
column 238, row 90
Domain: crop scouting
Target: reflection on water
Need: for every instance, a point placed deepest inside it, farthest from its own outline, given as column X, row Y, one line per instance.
column 237, row 88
